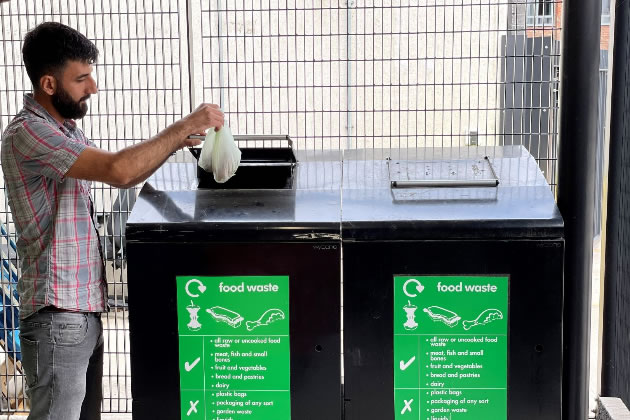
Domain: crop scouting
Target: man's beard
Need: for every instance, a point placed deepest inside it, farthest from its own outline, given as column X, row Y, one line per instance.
column 67, row 107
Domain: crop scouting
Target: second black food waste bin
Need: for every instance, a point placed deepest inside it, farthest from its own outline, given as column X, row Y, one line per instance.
column 453, row 286
column 234, row 299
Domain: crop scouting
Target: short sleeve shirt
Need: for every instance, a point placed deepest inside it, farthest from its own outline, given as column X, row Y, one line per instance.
column 58, row 244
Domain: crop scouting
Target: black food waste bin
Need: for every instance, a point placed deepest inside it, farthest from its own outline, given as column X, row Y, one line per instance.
column 453, row 286
column 234, row 291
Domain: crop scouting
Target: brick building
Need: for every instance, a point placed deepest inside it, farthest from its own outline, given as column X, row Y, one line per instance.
column 544, row 18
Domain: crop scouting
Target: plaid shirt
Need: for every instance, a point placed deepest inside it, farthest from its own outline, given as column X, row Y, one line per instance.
column 58, row 244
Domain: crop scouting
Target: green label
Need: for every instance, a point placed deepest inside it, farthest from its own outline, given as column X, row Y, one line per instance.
column 450, row 347
column 234, row 353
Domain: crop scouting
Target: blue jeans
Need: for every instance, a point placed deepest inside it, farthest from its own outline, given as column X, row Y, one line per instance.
column 62, row 357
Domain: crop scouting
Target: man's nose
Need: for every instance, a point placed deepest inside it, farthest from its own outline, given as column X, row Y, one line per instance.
column 93, row 87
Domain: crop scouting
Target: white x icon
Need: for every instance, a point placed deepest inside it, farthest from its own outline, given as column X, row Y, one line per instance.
column 407, row 406
column 193, row 407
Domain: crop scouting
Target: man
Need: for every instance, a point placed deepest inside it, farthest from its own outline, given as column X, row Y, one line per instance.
column 48, row 164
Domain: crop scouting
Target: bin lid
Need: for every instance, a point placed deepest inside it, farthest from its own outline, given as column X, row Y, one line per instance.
column 446, row 193
column 170, row 207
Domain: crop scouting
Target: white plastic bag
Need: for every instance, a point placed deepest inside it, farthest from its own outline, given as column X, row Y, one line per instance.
column 220, row 155
column 205, row 159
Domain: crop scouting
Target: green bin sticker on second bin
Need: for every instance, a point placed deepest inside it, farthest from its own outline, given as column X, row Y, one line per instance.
column 234, row 347
column 450, row 347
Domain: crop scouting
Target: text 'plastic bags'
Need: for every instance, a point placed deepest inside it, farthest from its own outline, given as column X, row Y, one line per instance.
column 220, row 155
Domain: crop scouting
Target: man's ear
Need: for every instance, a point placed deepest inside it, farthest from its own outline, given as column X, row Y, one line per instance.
column 48, row 84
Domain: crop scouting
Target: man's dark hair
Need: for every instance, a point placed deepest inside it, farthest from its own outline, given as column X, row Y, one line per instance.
column 48, row 47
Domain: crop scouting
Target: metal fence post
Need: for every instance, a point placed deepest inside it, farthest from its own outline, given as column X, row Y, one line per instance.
column 576, row 190
column 615, row 361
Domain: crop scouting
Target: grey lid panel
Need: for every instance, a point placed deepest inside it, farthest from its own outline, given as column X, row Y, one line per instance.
column 171, row 205
column 375, row 168
column 355, row 198
column 521, row 206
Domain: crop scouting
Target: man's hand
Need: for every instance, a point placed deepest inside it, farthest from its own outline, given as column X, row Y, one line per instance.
column 204, row 117
column 191, row 142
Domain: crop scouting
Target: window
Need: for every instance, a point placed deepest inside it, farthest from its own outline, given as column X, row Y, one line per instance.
column 540, row 13
column 605, row 12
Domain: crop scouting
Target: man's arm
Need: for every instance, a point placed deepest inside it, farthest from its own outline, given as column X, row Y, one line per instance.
column 134, row 164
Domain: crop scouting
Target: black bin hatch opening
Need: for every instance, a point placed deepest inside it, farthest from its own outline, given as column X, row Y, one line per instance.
column 260, row 168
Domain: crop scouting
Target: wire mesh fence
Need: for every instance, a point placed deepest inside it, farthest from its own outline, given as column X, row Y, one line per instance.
column 370, row 74
column 142, row 75
column 331, row 74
